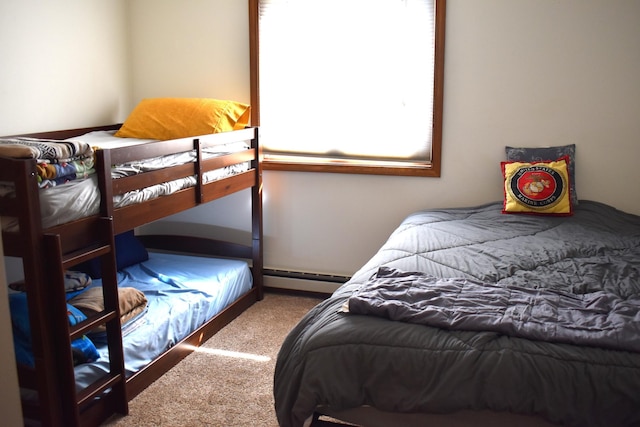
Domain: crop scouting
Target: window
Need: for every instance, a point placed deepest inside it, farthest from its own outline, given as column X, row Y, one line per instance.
column 349, row 86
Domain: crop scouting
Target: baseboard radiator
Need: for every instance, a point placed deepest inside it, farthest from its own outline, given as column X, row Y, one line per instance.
column 302, row 280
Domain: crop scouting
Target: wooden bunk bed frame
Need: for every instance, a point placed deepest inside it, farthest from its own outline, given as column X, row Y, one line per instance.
column 47, row 253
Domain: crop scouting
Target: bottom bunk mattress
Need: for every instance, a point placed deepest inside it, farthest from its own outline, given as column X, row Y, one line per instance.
column 181, row 293
column 348, row 353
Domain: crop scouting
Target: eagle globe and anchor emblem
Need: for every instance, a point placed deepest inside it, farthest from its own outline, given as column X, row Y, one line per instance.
column 537, row 186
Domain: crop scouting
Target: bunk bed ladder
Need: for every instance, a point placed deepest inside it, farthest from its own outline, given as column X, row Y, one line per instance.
column 113, row 385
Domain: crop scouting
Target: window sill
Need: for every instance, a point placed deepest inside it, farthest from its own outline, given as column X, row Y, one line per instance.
column 366, row 167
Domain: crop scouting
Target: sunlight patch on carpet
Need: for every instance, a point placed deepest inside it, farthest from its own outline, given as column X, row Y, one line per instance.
column 228, row 353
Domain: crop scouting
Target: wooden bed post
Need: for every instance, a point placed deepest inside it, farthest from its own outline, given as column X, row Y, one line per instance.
column 256, row 212
column 41, row 312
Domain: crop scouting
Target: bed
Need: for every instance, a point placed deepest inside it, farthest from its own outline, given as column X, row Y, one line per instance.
column 103, row 312
column 478, row 316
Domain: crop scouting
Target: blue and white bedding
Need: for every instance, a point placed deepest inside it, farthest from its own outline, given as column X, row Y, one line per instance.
column 182, row 292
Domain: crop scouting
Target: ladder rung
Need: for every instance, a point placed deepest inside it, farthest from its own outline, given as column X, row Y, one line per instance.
column 98, row 387
column 84, row 254
column 87, row 325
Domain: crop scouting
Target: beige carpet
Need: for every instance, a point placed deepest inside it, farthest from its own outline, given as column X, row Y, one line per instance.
column 228, row 381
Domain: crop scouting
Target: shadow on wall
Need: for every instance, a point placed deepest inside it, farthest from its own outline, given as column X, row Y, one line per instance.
column 198, row 230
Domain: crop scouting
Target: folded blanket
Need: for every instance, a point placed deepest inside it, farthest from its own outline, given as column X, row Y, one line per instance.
column 58, row 161
column 45, row 150
column 131, row 301
column 51, row 174
column 599, row 319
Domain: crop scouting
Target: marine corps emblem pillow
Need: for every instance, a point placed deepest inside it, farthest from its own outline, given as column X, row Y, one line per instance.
column 537, row 188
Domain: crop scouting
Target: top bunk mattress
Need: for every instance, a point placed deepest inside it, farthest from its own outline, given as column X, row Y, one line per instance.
column 63, row 201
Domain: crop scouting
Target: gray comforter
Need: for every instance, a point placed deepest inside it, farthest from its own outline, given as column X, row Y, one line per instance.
column 599, row 319
column 346, row 360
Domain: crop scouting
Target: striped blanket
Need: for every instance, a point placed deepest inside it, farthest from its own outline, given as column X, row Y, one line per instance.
column 58, row 161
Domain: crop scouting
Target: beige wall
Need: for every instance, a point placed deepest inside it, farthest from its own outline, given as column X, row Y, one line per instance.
column 523, row 72
column 64, row 64
column 518, row 72
column 190, row 48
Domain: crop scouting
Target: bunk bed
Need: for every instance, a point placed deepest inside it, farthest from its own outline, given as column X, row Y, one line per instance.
column 478, row 316
column 58, row 389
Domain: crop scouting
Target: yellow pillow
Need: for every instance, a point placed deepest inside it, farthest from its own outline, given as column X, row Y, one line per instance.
column 172, row 118
column 537, row 188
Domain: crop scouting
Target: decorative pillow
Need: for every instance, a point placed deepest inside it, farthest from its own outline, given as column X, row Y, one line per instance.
column 537, row 188
column 545, row 154
column 129, row 251
column 173, row 118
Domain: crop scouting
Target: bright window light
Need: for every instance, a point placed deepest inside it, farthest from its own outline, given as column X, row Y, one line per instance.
column 355, row 77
